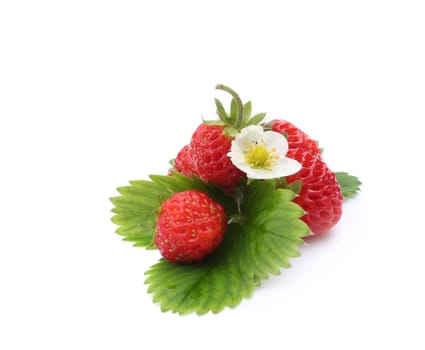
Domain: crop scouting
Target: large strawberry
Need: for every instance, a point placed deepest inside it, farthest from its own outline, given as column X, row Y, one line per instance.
column 190, row 226
column 295, row 136
column 320, row 194
column 211, row 142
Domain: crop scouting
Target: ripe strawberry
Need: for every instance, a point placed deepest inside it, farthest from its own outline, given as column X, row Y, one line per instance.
column 209, row 147
column 211, row 142
column 295, row 136
column 184, row 163
column 190, row 226
column 320, row 194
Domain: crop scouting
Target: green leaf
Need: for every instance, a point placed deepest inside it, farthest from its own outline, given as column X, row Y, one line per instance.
column 230, row 131
column 247, row 110
column 210, row 285
column 221, row 112
column 272, row 229
column 135, row 210
column 256, row 119
column 350, row 185
column 213, row 122
column 293, row 186
column 268, row 237
column 233, row 109
column 136, row 218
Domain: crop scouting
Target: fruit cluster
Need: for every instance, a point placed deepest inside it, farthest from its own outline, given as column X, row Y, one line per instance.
column 179, row 237
column 239, row 199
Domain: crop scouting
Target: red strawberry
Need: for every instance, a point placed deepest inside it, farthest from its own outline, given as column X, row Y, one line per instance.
column 211, row 142
column 184, row 163
column 296, row 137
column 209, row 146
column 320, row 194
column 190, row 226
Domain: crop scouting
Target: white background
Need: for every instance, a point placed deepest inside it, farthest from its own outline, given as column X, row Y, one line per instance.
column 96, row 93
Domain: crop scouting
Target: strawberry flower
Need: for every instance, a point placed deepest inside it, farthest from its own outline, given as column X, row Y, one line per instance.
column 262, row 154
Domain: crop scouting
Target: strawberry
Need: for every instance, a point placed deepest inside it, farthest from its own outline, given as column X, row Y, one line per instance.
column 209, row 146
column 211, row 142
column 184, row 163
column 295, row 136
column 190, row 226
column 320, row 194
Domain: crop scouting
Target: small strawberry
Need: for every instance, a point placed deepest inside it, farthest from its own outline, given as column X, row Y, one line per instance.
column 190, row 226
column 320, row 194
column 295, row 136
column 184, row 163
column 211, row 142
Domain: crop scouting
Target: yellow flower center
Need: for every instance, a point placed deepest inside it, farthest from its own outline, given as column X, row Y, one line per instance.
column 259, row 157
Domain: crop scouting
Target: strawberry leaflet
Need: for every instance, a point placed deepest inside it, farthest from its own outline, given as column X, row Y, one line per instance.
column 271, row 229
column 269, row 235
column 210, row 285
column 350, row 184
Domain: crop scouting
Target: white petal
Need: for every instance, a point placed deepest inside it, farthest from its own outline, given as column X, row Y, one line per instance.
column 236, row 151
column 286, row 166
column 260, row 174
column 250, row 133
column 236, row 156
column 245, row 138
column 243, row 166
column 276, row 140
column 239, row 144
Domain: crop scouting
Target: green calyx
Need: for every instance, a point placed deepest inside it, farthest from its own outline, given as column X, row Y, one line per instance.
column 239, row 116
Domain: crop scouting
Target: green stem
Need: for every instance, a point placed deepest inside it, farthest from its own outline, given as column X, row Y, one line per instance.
column 239, row 116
